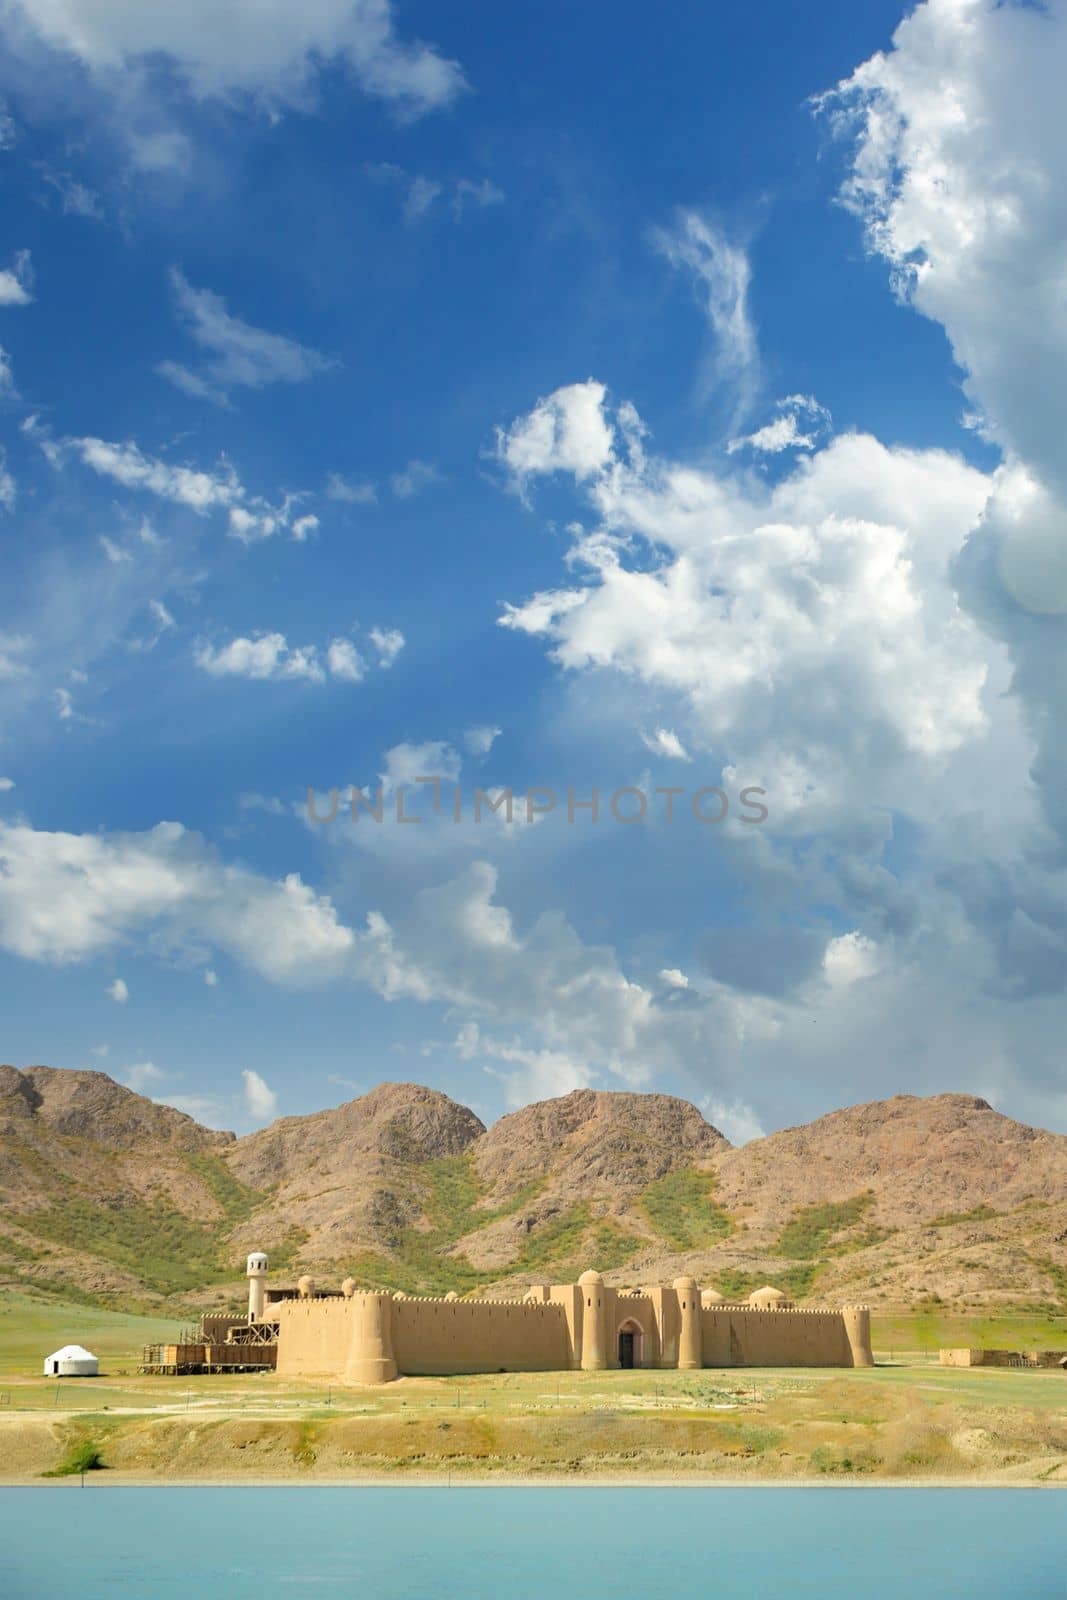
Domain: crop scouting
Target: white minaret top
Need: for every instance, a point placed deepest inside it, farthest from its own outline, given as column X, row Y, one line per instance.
column 257, row 1285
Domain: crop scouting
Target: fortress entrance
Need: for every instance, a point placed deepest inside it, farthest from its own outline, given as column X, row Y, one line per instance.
column 630, row 1341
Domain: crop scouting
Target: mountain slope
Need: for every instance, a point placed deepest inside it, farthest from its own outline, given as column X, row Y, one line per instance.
column 102, row 1191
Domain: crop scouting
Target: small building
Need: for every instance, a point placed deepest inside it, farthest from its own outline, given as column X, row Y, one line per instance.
column 73, row 1361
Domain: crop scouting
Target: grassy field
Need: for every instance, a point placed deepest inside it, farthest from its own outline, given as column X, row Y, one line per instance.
column 905, row 1420
column 31, row 1327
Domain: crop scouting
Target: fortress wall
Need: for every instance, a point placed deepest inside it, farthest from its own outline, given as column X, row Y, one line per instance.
column 313, row 1337
column 437, row 1337
column 568, row 1297
column 791, row 1337
column 668, row 1323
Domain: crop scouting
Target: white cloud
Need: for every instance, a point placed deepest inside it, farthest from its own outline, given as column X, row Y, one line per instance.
column 736, row 1120
column 8, row 487
column 75, row 198
column 784, row 432
column 6, row 784
column 480, row 193
column 811, row 629
column 119, row 992
column 161, row 614
column 264, row 656
column 64, row 705
column 272, row 50
column 268, row 656
column 722, row 275
column 114, row 552
column 345, row 661
column 479, row 741
column 100, row 1050
column 238, row 355
column 260, row 1101
column 388, row 642
column 958, row 175
column 16, row 281
column 356, row 494
column 67, row 897
column 416, row 476
column 420, row 198
column 406, row 762
column 665, row 742
column 191, row 383
column 566, row 432
column 211, row 979
column 304, row 526
column 674, row 978
column 13, row 648
column 124, row 463
column 7, row 376
column 143, row 1076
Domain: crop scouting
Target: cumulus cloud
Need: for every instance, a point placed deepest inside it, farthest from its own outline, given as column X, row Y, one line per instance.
column 812, row 632
column 268, row 656
column 674, row 978
column 67, row 897
column 6, row 784
column 345, row 661
column 273, row 51
column 388, row 642
column 119, row 992
column 565, row 432
column 16, row 281
column 237, row 354
column 958, row 176
column 260, row 1101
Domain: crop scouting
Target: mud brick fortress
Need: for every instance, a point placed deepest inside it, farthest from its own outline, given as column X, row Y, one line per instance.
column 354, row 1335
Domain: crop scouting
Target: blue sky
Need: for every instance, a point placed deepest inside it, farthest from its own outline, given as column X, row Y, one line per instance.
column 631, row 398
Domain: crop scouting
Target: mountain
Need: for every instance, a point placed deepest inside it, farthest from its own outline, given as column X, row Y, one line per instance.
column 103, row 1192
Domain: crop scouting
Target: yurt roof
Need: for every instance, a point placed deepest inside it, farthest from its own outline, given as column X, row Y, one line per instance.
column 72, row 1352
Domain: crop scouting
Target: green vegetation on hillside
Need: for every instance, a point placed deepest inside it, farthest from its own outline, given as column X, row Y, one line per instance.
column 809, row 1231
column 422, row 1261
column 977, row 1214
column 681, row 1208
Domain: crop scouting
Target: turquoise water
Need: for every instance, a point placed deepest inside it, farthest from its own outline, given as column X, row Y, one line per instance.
column 483, row 1543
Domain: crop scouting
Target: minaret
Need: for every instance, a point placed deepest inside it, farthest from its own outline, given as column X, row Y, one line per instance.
column 257, row 1285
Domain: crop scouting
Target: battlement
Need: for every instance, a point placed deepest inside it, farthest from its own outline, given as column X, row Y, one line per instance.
column 366, row 1335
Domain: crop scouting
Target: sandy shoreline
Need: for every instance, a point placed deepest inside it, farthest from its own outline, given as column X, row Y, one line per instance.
column 110, row 1479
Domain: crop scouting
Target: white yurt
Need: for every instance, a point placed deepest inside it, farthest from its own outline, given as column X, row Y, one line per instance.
column 73, row 1361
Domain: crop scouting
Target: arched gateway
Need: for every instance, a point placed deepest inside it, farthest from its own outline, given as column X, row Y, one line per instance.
column 631, row 1340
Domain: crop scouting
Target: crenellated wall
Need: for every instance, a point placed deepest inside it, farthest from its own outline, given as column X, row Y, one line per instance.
column 370, row 1337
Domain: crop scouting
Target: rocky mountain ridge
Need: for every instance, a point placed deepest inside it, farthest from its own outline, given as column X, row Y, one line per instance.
column 104, row 1192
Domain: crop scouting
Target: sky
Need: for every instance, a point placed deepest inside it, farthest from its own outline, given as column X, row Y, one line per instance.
column 664, row 404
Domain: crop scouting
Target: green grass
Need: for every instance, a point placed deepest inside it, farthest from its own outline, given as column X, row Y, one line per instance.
column 236, row 1200
column 980, row 1213
column 32, row 1327
column 167, row 1251
column 680, row 1207
column 808, row 1233
column 85, row 1456
column 931, row 1329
